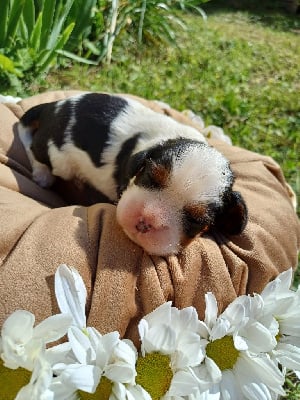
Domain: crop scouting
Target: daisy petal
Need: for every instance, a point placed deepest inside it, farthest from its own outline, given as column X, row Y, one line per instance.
column 183, row 384
column 71, row 294
column 53, row 328
column 211, row 310
column 19, row 326
column 161, row 313
column 160, row 338
column 82, row 377
column 105, row 347
column 81, row 345
column 287, row 355
column 229, row 388
column 260, row 370
column 189, row 350
column 281, row 284
column 258, row 337
column 120, row 372
column 256, row 391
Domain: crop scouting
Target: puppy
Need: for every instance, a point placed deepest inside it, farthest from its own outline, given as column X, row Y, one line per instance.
column 168, row 183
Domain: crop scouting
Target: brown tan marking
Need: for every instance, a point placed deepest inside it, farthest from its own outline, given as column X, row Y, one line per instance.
column 197, row 211
column 159, row 174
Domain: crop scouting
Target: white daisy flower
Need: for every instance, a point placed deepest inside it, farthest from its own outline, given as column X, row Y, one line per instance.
column 25, row 369
column 281, row 314
column 21, row 342
column 236, row 352
column 101, row 363
column 170, row 347
column 95, row 362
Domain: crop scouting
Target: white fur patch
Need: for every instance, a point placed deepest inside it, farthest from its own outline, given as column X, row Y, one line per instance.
column 41, row 173
column 69, row 161
column 201, row 175
column 70, row 100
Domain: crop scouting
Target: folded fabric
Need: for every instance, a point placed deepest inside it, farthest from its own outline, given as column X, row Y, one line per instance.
column 40, row 229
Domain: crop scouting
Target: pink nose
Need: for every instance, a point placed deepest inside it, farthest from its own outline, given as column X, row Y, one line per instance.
column 143, row 227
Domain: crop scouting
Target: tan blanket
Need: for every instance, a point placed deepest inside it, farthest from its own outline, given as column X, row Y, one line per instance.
column 40, row 229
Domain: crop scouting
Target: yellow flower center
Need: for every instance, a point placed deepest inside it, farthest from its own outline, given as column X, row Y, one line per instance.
column 278, row 337
column 223, row 352
column 11, row 381
column 102, row 392
column 154, row 374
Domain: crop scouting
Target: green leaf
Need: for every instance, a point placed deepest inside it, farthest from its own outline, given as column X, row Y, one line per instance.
column 29, row 15
column 47, row 12
column 61, row 14
column 48, row 56
column 34, row 40
column 4, row 21
column 74, row 57
column 7, row 65
column 80, row 12
column 14, row 20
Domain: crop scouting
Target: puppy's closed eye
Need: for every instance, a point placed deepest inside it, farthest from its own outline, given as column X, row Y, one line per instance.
column 152, row 175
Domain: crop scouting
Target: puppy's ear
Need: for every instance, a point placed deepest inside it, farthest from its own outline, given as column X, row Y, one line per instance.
column 129, row 169
column 136, row 162
column 232, row 218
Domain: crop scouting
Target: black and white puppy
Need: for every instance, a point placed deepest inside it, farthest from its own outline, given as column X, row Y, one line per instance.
column 168, row 183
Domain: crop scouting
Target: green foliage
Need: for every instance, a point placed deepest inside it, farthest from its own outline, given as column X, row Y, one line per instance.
column 33, row 33
column 30, row 38
column 292, row 387
column 147, row 21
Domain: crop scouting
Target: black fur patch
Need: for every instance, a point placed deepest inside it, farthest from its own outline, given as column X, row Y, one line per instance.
column 122, row 174
column 94, row 115
column 52, row 127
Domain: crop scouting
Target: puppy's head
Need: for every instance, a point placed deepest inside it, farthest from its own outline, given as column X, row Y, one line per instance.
column 179, row 189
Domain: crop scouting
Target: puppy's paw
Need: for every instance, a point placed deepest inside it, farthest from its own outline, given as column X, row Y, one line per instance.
column 42, row 175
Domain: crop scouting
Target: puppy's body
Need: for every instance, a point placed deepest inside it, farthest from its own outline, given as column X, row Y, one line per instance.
column 169, row 184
